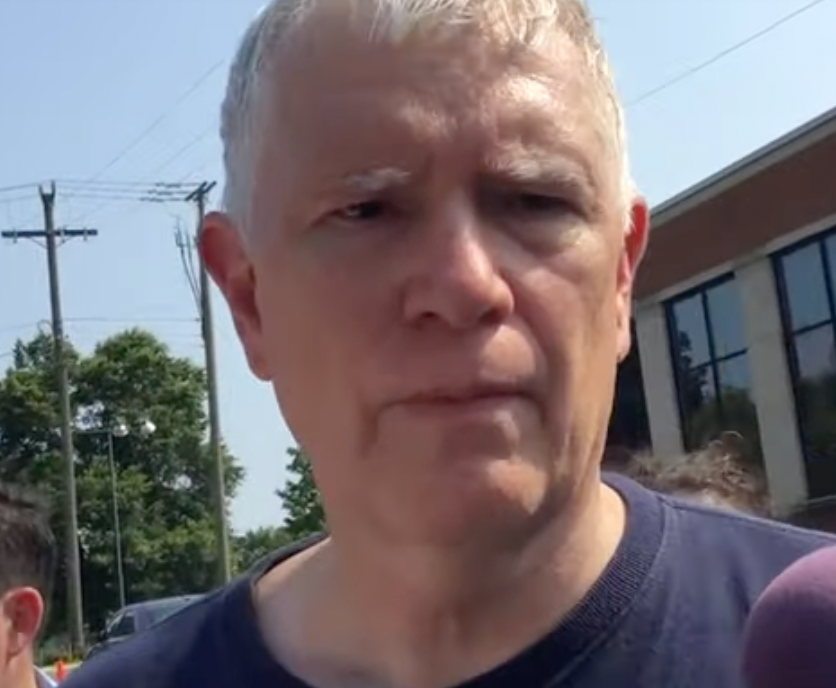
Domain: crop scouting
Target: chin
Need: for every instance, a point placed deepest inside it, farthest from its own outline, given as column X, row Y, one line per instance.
column 484, row 499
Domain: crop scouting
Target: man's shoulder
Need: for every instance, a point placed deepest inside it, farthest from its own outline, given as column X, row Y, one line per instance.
column 211, row 643
column 756, row 545
column 160, row 657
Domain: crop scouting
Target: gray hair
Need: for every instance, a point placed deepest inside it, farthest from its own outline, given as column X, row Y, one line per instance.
column 527, row 22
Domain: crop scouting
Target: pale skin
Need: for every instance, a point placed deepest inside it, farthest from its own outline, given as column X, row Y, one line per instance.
column 21, row 614
column 436, row 280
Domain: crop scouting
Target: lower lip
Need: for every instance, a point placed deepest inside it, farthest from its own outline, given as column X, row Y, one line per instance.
column 458, row 407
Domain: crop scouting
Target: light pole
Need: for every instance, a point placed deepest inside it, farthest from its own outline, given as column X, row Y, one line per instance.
column 119, row 430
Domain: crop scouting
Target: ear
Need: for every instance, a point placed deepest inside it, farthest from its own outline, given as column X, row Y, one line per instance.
column 632, row 251
column 224, row 254
column 23, row 609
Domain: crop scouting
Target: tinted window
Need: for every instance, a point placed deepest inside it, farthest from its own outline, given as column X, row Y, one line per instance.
column 708, row 339
column 807, row 276
column 830, row 258
column 725, row 314
column 735, row 392
column 698, row 405
column 805, row 287
column 816, row 398
column 692, row 341
column 814, row 351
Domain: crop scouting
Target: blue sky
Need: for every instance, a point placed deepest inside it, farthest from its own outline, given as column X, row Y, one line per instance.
column 81, row 80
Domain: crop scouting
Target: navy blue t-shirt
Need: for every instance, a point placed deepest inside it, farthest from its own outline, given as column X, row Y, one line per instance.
column 667, row 613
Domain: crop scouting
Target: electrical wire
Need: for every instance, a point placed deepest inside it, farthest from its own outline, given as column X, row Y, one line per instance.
column 696, row 69
column 18, row 187
column 158, row 121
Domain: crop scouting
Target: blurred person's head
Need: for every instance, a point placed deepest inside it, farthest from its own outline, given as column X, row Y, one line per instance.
column 718, row 475
column 428, row 249
column 27, row 563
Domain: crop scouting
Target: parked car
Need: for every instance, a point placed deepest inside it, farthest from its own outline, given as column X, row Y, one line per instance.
column 138, row 617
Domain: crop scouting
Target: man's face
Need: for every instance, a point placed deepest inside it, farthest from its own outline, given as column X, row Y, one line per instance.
column 437, row 280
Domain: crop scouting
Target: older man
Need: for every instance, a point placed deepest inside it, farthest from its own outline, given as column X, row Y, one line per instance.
column 27, row 563
column 428, row 247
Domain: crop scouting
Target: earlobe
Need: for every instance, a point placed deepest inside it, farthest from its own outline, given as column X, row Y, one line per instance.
column 223, row 252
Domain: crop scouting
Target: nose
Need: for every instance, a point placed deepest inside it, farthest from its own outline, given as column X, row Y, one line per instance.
column 455, row 280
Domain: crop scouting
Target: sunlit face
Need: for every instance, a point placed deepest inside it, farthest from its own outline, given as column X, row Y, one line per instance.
column 438, row 281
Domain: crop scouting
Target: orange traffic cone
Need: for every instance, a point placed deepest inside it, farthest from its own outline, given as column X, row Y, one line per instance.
column 60, row 670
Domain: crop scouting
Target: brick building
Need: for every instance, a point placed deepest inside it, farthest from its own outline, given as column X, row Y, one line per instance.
column 735, row 318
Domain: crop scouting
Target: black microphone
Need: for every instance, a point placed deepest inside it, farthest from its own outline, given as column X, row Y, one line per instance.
column 790, row 636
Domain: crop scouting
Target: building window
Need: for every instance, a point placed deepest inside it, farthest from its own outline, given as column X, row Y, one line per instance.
column 629, row 428
column 708, row 345
column 805, row 275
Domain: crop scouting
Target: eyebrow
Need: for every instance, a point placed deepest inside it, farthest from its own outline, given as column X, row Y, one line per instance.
column 376, row 180
column 541, row 169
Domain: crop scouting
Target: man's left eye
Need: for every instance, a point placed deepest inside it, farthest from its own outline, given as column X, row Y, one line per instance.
column 537, row 203
column 361, row 212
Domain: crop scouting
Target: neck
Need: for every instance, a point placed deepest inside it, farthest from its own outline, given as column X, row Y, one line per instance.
column 20, row 674
column 418, row 618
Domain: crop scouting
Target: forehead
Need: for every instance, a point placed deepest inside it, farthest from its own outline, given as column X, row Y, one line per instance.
column 335, row 99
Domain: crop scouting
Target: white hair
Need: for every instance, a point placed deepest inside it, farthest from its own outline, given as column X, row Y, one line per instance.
column 526, row 22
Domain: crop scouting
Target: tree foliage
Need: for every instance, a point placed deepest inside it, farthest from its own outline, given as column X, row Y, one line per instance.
column 300, row 497
column 163, row 493
column 255, row 545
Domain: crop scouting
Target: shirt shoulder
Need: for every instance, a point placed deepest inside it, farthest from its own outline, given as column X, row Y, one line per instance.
column 160, row 657
column 213, row 643
column 749, row 551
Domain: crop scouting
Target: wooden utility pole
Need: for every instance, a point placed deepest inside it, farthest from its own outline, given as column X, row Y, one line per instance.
column 51, row 235
column 218, row 465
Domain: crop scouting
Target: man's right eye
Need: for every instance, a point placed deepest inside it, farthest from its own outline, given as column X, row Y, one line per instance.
column 361, row 212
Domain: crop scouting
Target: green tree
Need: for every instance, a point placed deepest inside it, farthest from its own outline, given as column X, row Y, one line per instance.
column 163, row 493
column 255, row 545
column 301, row 499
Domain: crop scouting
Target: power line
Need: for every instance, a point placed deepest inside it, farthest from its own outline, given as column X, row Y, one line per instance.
column 114, row 184
column 722, row 54
column 158, row 121
column 175, row 187
column 18, row 187
column 147, row 131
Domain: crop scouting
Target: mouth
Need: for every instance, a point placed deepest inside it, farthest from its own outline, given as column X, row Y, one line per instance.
column 475, row 398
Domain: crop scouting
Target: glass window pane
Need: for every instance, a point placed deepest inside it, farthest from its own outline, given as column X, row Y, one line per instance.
column 698, row 403
column 830, row 249
column 815, row 354
column 816, row 397
column 691, row 345
column 739, row 413
column 725, row 313
column 806, row 292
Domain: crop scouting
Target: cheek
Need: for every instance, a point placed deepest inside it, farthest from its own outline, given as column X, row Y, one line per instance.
column 570, row 305
column 315, row 330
